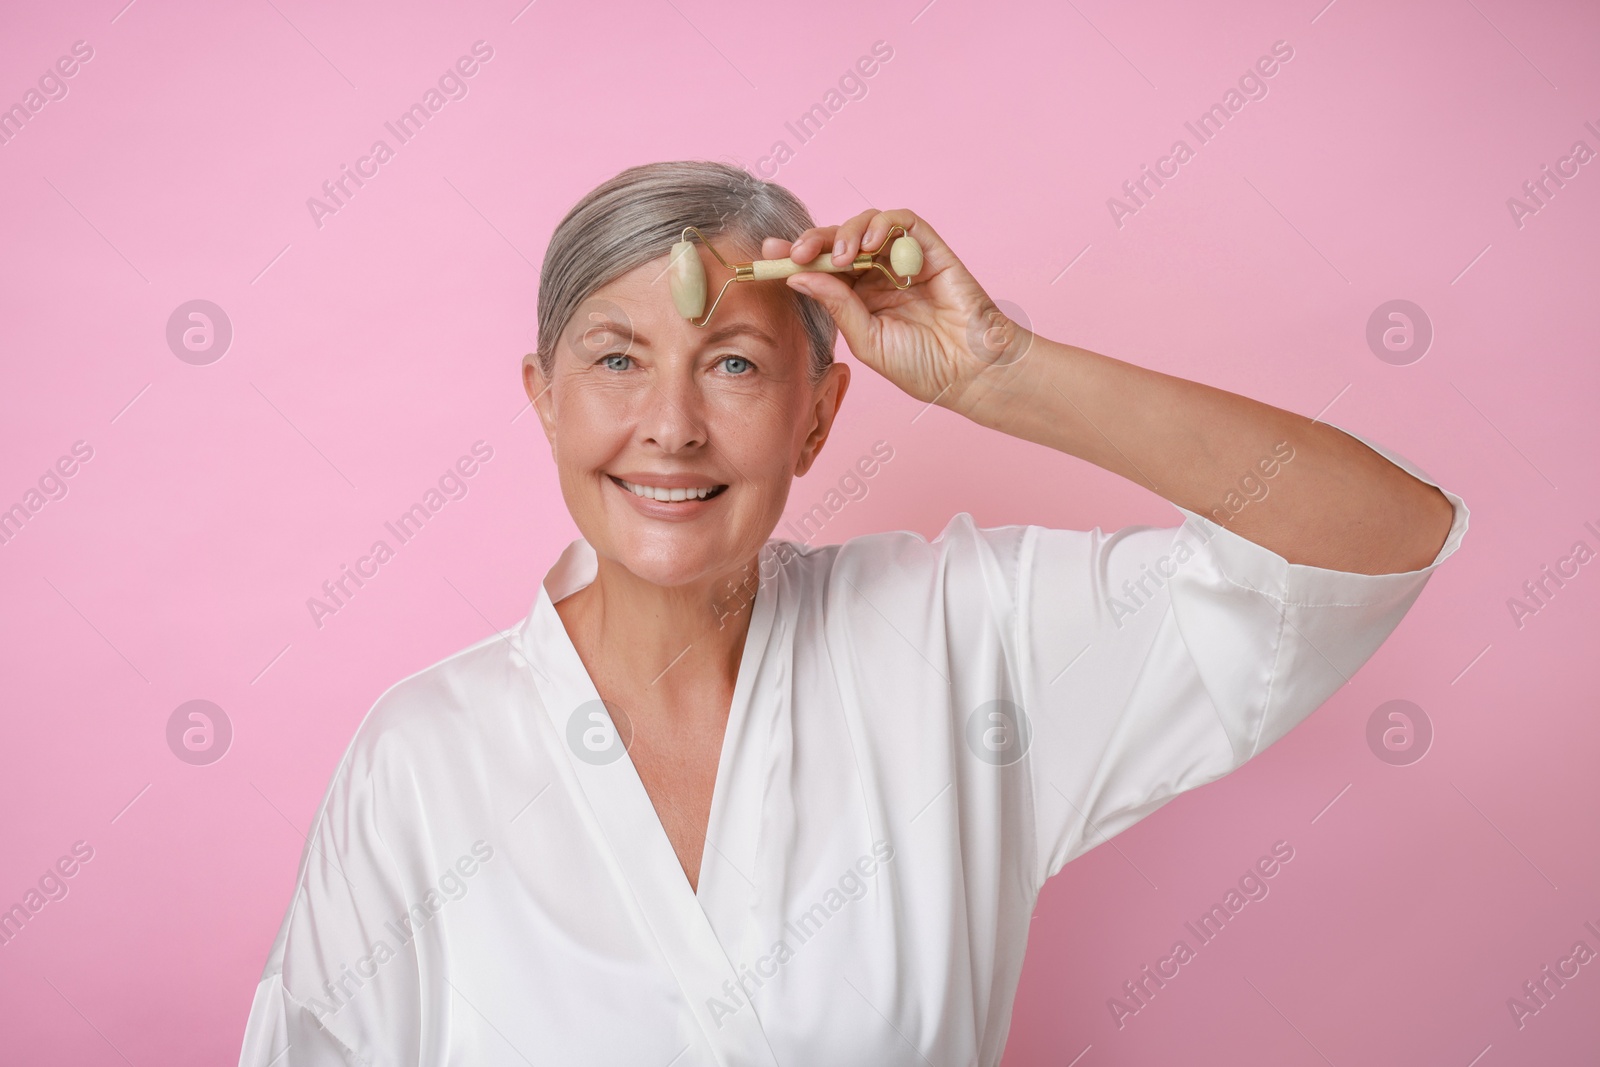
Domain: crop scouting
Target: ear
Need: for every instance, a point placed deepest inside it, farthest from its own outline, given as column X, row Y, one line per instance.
column 538, row 390
column 828, row 397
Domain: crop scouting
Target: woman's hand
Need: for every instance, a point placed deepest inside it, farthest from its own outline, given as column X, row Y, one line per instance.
column 932, row 339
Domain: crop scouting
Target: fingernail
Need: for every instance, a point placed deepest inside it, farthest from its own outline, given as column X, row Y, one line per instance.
column 838, row 247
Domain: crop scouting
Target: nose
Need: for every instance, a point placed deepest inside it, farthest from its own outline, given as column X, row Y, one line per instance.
column 673, row 418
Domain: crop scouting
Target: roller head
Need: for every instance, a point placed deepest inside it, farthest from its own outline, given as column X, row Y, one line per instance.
column 905, row 256
column 686, row 277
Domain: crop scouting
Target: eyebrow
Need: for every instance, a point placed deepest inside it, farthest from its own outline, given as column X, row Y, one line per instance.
column 732, row 329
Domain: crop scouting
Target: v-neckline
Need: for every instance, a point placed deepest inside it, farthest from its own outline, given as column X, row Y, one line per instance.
column 633, row 843
column 576, row 569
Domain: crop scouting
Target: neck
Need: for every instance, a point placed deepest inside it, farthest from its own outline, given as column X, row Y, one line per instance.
column 662, row 639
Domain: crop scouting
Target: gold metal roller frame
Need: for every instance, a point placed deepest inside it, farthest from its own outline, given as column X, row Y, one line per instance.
column 686, row 275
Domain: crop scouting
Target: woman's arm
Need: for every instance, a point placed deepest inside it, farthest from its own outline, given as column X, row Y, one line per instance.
column 1333, row 503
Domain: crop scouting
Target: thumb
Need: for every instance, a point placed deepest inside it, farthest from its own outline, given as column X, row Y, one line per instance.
column 841, row 301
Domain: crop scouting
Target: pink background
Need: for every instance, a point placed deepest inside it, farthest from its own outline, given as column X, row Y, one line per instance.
column 369, row 353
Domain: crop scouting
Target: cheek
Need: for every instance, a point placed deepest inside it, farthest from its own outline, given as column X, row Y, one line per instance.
column 760, row 430
column 590, row 429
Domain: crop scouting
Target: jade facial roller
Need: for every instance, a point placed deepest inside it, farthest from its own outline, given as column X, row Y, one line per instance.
column 686, row 275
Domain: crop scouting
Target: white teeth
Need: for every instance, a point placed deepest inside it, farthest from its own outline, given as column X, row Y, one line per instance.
column 655, row 493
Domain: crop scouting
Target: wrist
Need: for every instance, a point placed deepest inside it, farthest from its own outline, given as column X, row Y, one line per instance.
column 989, row 365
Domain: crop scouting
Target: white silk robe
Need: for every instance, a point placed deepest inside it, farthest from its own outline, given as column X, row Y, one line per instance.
column 921, row 734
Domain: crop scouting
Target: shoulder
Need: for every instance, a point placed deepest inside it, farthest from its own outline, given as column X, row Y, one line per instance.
column 906, row 554
column 432, row 714
column 906, row 569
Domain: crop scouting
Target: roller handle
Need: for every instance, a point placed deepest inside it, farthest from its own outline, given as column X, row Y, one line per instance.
column 766, row 270
column 905, row 256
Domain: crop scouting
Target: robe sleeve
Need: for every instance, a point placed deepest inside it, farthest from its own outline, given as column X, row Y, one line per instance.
column 340, row 986
column 1150, row 661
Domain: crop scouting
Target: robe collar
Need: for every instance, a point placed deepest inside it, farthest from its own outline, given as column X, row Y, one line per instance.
column 619, row 812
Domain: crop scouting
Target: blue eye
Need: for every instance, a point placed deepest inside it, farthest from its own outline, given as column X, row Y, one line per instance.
column 745, row 364
column 607, row 360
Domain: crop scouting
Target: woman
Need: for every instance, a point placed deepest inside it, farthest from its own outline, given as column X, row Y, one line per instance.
column 722, row 799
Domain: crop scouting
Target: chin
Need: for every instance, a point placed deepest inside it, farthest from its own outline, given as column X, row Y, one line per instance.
column 675, row 558
column 708, row 549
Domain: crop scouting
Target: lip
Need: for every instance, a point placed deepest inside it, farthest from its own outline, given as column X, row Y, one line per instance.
column 671, row 510
column 665, row 481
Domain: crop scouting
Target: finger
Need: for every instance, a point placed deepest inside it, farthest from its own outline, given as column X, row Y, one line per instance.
column 839, row 300
column 847, row 240
column 809, row 243
column 936, row 255
column 774, row 248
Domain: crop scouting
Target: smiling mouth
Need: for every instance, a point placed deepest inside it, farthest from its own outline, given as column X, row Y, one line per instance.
column 650, row 492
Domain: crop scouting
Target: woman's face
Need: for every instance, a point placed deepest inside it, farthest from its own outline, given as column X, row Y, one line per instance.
column 638, row 396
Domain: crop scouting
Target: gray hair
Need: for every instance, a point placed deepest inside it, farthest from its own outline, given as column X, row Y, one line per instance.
column 633, row 218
